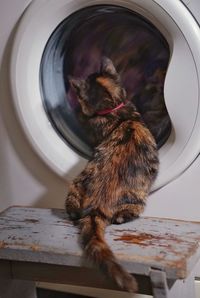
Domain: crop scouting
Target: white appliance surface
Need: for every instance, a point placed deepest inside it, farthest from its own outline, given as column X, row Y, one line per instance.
column 180, row 198
column 26, row 180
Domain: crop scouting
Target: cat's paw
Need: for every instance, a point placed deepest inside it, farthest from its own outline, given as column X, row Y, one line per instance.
column 72, row 207
column 122, row 217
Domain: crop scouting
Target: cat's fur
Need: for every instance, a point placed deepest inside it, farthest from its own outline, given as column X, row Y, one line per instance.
column 115, row 183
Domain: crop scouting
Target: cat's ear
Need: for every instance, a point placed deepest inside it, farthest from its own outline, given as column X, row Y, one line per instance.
column 76, row 84
column 108, row 67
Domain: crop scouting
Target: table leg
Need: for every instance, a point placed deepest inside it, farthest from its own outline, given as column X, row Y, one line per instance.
column 162, row 288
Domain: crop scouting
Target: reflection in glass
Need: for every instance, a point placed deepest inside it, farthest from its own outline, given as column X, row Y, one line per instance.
column 139, row 52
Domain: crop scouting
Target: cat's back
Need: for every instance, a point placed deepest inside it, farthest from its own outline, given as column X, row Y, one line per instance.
column 130, row 139
column 127, row 160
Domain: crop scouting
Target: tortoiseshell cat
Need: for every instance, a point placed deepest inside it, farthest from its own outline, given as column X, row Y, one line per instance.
column 115, row 183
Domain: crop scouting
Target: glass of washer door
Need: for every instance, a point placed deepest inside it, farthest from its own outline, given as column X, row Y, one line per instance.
column 139, row 52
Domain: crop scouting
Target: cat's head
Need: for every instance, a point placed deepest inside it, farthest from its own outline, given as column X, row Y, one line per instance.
column 100, row 91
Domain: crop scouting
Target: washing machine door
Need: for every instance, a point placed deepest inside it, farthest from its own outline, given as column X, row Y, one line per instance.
column 181, row 85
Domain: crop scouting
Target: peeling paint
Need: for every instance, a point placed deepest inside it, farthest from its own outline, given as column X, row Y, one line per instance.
column 45, row 235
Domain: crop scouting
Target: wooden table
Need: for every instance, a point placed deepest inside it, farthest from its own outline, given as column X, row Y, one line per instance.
column 42, row 245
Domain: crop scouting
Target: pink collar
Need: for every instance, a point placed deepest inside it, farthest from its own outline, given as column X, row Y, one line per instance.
column 108, row 111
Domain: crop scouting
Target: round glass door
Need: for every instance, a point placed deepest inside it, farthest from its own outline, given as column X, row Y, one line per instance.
column 139, row 52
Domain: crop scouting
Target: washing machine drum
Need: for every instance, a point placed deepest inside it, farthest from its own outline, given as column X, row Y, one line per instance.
column 155, row 52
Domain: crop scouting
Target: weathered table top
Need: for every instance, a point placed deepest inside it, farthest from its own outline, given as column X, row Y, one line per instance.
column 46, row 236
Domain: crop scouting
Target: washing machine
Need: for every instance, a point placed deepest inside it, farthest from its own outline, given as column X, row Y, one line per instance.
column 44, row 141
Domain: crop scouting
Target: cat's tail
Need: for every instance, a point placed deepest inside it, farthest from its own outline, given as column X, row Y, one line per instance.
column 97, row 250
